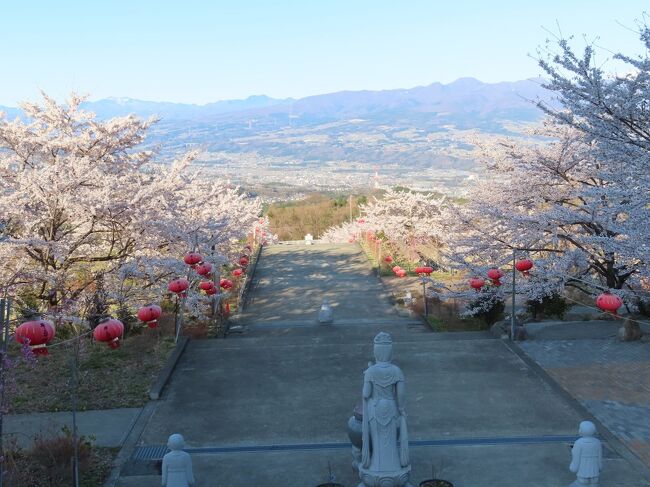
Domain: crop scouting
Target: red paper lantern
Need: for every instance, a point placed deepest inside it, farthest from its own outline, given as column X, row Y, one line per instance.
column 495, row 274
column 524, row 266
column 396, row 268
column 237, row 272
column 179, row 286
column 205, row 285
column 401, row 273
column 109, row 332
column 203, row 269
column 424, row 270
column 476, row 283
column 388, row 259
column 192, row 258
column 225, row 283
column 212, row 291
column 609, row 302
column 149, row 313
column 37, row 334
column 243, row 261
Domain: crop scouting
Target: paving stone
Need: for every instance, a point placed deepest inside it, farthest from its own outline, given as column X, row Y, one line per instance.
column 610, row 378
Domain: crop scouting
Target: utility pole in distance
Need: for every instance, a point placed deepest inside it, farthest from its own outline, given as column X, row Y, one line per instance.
column 350, row 207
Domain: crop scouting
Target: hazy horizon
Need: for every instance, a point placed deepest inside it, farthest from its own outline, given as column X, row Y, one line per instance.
column 92, row 98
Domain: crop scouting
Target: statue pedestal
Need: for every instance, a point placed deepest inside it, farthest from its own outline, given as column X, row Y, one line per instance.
column 395, row 478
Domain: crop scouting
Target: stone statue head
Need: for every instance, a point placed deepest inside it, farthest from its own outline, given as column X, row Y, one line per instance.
column 383, row 347
column 587, row 428
column 176, row 442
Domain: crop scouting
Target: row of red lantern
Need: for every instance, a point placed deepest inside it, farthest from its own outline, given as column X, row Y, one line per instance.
column 195, row 261
column 425, row 270
column 39, row 333
column 606, row 301
column 399, row 272
column 495, row 274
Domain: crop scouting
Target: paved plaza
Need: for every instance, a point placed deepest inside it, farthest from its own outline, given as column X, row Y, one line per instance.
column 610, row 378
column 270, row 406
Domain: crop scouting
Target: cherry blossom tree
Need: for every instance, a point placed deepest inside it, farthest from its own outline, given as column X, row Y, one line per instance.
column 577, row 203
column 582, row 219
column 405, row 218
column 611, row 111
column 80, row 200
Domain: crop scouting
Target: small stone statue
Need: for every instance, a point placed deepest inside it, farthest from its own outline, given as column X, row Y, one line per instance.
column 384, row 462
column 309, row 239
column 325, row 315
column 177, row 464
column 586, row 456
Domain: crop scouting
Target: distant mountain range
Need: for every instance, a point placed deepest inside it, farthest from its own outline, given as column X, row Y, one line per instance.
column 426, row 127
column 465, row 95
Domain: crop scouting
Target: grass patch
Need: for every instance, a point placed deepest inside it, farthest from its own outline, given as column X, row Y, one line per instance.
column 439, row 324
column 107, row 378
column 436, row 323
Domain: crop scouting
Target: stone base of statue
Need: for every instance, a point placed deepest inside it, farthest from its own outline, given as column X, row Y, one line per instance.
column 396, row 478
column 585, row 482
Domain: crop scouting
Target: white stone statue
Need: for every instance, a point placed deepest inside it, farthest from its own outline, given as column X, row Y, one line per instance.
column 309, row 239
column 586, row 456
column 177, row 464
column 325, row 314
column 384, row 463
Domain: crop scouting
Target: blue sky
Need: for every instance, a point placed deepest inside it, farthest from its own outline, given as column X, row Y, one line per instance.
column 201, row 51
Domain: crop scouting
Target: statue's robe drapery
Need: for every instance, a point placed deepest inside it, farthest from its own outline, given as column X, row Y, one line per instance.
column 383, row 423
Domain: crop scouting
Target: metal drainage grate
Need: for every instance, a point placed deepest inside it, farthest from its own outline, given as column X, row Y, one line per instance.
column 150, row 452
column 156, row 452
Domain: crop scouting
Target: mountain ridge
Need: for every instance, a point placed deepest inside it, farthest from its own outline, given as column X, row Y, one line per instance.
column 476, row 95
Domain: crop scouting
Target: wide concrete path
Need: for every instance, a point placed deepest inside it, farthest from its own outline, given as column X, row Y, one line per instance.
column 270, row 407
column 291, row 281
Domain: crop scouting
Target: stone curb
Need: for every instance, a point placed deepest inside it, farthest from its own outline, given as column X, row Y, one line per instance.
column 617, row 445
column 163, row 377
column 243, row 300
column 132, row 436
column 129, row 444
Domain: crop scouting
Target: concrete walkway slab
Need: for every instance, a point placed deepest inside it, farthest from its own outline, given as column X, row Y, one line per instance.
column 465, row 466
column 270, row 407
column 275, row 392
column 291, row 282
